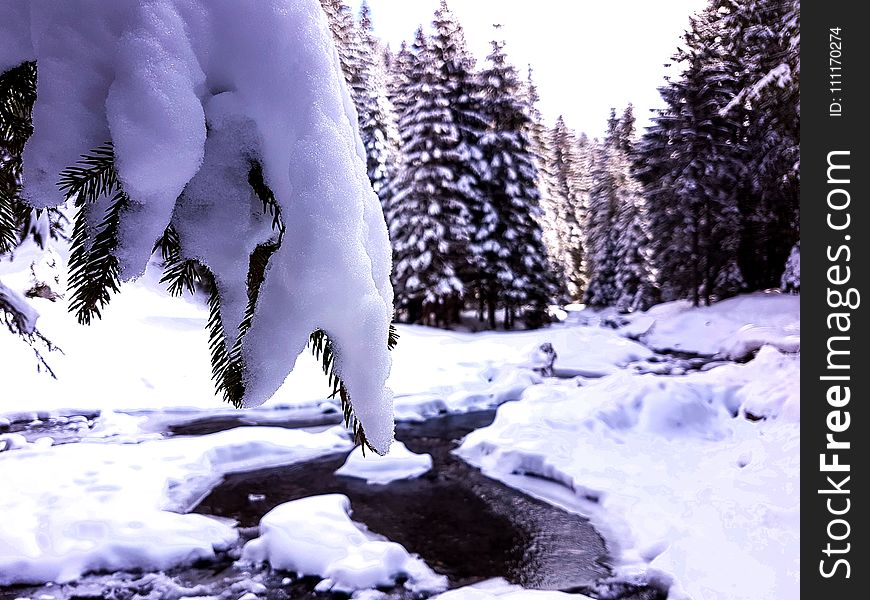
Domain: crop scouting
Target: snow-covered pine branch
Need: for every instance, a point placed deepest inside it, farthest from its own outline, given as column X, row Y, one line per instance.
column 192, row 99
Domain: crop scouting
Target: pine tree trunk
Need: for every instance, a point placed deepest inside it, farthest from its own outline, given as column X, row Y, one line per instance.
column 491, row 306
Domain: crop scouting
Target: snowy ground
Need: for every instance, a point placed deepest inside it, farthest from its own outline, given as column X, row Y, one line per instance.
column 667, row 467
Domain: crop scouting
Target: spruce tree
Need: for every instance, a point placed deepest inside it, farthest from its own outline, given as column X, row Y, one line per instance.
column 635, row 280
column 344, row 34
column 600, row 225
column 377, row 119
column 791, row 276
column 764, row 37
column 516, row 269
column 456, row 67
column 542, row 155
column 17, row 220
column 429, row 219
column 569, row 200
column 691, row 162
column 93, row 186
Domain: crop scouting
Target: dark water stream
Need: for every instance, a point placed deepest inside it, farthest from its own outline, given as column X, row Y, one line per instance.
column 464, row 525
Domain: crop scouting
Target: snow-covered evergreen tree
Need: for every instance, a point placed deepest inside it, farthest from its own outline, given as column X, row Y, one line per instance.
column 621, row 273
column 19, row 223
column 346, row 38
column 791, row 277
column 377, row 119
column 542, row 153
column 764, row 36
column 516, row 272
column 457, row 71
column 569, row 196
column 691, row 162
column 429, row 217
column 635, row 278
column 600, row 225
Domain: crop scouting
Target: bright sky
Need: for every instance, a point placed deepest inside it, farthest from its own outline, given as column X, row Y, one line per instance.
column 587, row 55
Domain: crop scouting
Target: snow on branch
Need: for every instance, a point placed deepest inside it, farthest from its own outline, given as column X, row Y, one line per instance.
column 20, row 319
column 780, row 76
column 212, row 124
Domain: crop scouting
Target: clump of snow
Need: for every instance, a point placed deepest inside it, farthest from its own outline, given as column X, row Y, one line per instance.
column 399, row 463
column 668, row 468
column 315, row 536
column 499, row 589
column 19, row 310
column 733, row 329
column 80, row 508
column 186, row 90
column 12, row 441
column 791, row 276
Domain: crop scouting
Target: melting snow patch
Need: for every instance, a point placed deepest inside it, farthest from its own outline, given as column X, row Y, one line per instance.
column 315, row 536
column 399, row 463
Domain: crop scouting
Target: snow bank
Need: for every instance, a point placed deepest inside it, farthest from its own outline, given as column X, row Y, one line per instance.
column 667, row 471
column 733, row 328
column 85, row 507
column 192, row 95
column 499, row 589
column 168, row 366
column 315, row 536
column 398, row 463
column 473, row 371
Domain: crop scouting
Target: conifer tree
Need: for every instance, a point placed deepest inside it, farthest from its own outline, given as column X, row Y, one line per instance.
column 600, row 222
column 102, row 206
column 764, row 36
column 456, row 68
column 516, row 268
column 542, row 154
column 429, row 219
column 791, row 276
column 346, row 40
column 17, row 220
column 621, row 273
column 635, row 279
column 691, row 162
column 568, row 163
column 377, row 119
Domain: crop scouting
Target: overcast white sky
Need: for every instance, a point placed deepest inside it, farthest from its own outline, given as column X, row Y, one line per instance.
column 587, row 55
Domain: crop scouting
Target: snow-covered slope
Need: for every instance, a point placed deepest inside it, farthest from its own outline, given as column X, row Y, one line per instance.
column 150, row 352
column 733, row 328
column 701, row 500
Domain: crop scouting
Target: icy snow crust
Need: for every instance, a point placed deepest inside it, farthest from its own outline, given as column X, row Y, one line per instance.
column 191, row 93
column 315, row 536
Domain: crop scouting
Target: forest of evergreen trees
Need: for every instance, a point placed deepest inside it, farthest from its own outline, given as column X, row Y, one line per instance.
column 496, row 214
column 493, row 211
